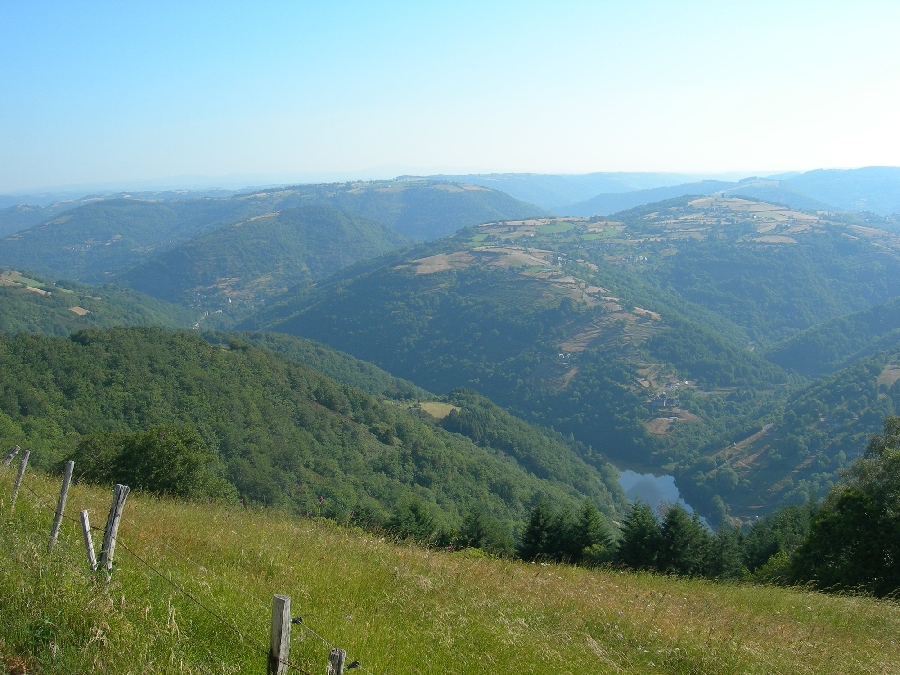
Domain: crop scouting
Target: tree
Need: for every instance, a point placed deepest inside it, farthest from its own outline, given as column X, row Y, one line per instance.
column 412, row 518
column 725, row 559
column 591, row 537
column 481, row 530
column 538, row 537
column 854, row 540
column 640, row 538
column 684, row 543
column 166, row 459
column 782, row 531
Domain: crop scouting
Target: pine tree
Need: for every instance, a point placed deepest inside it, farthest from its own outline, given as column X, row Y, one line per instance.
column 726, row 554
column 640, row 538
column 538, row 537
column 592, row 538
column 684, row 543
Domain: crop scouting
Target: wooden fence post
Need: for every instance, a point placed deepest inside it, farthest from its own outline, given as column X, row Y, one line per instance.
column 61, row 504
column 336, row 662
column 280, row 635
column 13, row 451
column 22, row 464
column 120, row 492
column 88, row 541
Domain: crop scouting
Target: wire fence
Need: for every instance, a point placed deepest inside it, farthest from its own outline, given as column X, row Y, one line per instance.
column 256, row 644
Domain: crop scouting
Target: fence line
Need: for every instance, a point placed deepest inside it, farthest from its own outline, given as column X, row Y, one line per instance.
column 202, row 568
column 297, row 621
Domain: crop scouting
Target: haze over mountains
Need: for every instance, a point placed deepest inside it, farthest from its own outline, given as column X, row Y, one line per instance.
column 874, row 189
column 739, row 335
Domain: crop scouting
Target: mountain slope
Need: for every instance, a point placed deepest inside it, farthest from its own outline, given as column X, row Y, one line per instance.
column 95, row 241
column 637, row 334
column 285, row 433
column 31, row 304
column 92, row 242
column 418, row 209
column 832, row 344
column 554, row 191
column 338, row 366
column 245, row 263
column 872, row 188
column 778, row 192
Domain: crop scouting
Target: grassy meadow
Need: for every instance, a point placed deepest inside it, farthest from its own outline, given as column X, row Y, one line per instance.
column 395, row 608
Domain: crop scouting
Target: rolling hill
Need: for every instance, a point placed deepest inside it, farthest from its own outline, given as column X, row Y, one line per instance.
column 779, row 192
column 95, row 241
column 554, row 191
column 873, row 190
column 638, row 334
column 243, row 264
column 29, row 303
column 284, row 434
column 831, row 345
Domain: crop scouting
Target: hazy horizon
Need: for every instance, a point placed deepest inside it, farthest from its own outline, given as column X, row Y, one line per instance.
column 124, row 95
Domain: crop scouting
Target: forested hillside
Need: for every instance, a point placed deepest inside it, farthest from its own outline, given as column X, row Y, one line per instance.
column 30, row 303
column 279, row 432
column 832, row 344
column 639, row 335
column 338, row 366
column 243, row 264
column 94, row 241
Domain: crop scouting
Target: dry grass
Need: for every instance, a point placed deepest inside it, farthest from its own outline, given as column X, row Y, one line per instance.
column 396, row 608
column 438, row 410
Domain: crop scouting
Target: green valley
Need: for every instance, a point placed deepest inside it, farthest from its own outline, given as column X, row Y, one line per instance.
column 642, row 335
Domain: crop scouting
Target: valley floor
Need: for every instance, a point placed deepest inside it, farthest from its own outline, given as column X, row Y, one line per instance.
column 193, row 585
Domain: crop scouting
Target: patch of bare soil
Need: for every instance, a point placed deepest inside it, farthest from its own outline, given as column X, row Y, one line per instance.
column 659, row 426
column 442, row 262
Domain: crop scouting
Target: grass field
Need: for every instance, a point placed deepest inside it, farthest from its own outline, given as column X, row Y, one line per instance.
column 395, row 608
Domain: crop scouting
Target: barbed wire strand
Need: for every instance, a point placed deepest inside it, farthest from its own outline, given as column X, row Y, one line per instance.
column 176, row 586
column 200, row 567
column 139, row 530
column 218, row 617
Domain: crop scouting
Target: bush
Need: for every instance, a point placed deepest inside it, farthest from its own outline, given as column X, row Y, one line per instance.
column 165, row 460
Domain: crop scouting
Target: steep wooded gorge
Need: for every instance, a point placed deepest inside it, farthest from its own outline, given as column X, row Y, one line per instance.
column 747, row 348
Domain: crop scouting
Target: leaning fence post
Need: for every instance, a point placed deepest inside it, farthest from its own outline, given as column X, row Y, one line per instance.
column 120, row 492
column 13, row 451
column 22, row 464
column 280, row 635
column 88, row 542
column 61, row 504
column 336, row 662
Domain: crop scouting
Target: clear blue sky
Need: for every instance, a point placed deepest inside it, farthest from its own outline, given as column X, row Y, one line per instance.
column 94, row 93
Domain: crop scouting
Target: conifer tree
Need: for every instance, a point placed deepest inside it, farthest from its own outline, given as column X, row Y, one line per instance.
column 854, row 540
column 640, row 538
column 538, row 537
column 684, row 542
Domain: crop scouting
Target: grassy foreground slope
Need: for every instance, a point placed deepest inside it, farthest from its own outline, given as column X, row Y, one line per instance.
column 397, row 609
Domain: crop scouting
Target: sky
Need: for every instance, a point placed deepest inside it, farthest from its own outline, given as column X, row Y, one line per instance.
column 267, row 92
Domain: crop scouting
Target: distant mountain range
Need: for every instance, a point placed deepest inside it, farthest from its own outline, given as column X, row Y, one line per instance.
column 872, row 189
column 100, row 238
